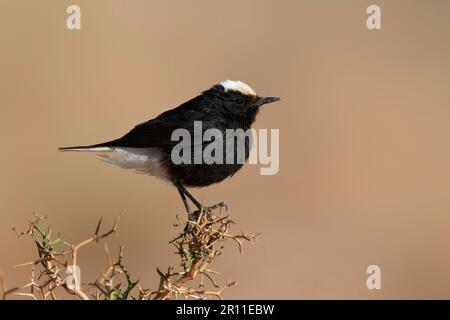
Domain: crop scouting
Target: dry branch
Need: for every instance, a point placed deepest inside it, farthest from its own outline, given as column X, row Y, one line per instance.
column 53, row 272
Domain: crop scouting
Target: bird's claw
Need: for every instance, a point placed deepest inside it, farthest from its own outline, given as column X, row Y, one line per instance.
column 193, row 214
column 216, row 206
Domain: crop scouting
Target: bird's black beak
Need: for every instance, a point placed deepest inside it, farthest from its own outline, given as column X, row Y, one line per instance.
column 265, row 100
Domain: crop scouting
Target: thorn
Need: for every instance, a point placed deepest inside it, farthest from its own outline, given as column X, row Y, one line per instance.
column 97, row 230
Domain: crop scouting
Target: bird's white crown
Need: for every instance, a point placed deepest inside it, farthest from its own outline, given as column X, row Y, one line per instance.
column 237, row 86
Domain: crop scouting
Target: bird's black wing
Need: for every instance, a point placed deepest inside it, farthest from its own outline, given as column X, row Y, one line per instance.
column 158, row 131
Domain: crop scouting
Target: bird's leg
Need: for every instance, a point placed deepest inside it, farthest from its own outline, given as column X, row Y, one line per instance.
column 183, row 193
column 199, row 206
column 190, row 213
column 185, row 202
column 190, row 196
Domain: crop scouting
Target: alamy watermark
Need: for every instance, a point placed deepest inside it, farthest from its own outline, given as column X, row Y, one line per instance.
column 73, row 280
column 73, row 21
column 229, row 146
column 374, row 279
column 373, row 21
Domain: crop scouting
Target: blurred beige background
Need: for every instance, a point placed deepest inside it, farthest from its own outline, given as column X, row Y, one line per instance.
column 364, row 127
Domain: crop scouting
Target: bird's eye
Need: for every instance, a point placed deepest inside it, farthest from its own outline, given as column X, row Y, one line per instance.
column 240, row 101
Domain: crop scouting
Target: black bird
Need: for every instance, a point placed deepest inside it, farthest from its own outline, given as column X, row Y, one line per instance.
column 148, row 146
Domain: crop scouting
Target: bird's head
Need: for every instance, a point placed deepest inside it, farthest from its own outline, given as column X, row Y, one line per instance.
column 237, row 98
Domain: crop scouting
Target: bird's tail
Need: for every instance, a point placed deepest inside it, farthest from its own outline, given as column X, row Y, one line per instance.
column 102, row 147
column 86, row 149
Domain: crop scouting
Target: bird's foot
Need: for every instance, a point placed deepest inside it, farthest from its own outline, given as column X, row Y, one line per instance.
column 219, row 205
column 192, row 217
column 194, row 214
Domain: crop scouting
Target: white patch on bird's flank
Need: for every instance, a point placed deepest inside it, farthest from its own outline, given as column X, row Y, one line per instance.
column 143, row 160
column 238, row 86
